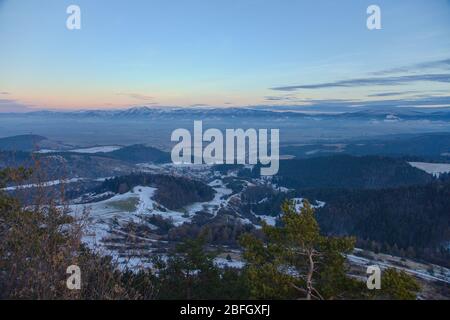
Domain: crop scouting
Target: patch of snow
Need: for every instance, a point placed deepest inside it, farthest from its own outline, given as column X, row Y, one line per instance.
column 280, row 188
column 298, row 202
column 423, row 274
column 222, row 263
column 312, row 152
column 263, row 200
column 48, row 151
column 98, row 149
column 101, row 149
column 319, row 204
column 435, row 169
column 391, row 118
column 270, row 220
column 104, row 214
column 53, row 183
column 43, row 184
column 220, row 199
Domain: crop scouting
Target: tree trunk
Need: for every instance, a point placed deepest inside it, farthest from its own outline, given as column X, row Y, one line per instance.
column 309, row 286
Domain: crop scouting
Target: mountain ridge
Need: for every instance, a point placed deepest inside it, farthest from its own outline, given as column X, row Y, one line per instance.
column 388, row 114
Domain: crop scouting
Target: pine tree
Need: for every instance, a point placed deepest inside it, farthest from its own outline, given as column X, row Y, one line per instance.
column 398, row 285
column 296, row 261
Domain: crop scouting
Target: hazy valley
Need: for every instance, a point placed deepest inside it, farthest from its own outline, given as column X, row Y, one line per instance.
column 390, row 191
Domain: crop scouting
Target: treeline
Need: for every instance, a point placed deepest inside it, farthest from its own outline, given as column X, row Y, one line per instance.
column 225, row 229
column 64, row 165
column 26, row 142
column 138, row 153
column 172, row 192
column 264, row 200
column 408, row 221
column 343, row 171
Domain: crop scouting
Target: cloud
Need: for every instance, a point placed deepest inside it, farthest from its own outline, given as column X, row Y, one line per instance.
column 372, row 81
column 4, row 93
column 390, row 94
column 291, row 97
column 424, row 101
column 436, row 64
column 345, row 105
column 281, row 98
column 136, row 96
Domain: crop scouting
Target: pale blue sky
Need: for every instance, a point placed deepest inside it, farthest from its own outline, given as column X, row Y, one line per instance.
column 221, row 53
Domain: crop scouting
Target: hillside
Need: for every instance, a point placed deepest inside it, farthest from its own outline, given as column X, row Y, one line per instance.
column 26, row 142
column 138, row 154
column 173, row 192
column 410, row 220
column 343, row 171
column 66, row 165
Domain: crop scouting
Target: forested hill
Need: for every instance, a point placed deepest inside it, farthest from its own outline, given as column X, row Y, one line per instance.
column 139, row 154
column 411, row 220
column 27, row 142
column 344, row 171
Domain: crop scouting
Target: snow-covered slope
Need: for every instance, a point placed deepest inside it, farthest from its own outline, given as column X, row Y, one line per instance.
column 435, row 169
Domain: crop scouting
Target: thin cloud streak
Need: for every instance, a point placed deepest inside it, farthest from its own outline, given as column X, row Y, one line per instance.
column 390, row 94
column 373, row 81
column 136, row 96
column 420, row 102
column 437, row 64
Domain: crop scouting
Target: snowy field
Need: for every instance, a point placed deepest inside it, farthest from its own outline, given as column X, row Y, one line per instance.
column 435, row 169
column 52, row 183
column 298, row 203
column 427, row 272
column 121, row 209
column 107, row 218
column 99, row 149
column 102, row 149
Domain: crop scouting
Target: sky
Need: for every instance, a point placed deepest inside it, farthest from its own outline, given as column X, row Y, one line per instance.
column 222, row 53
